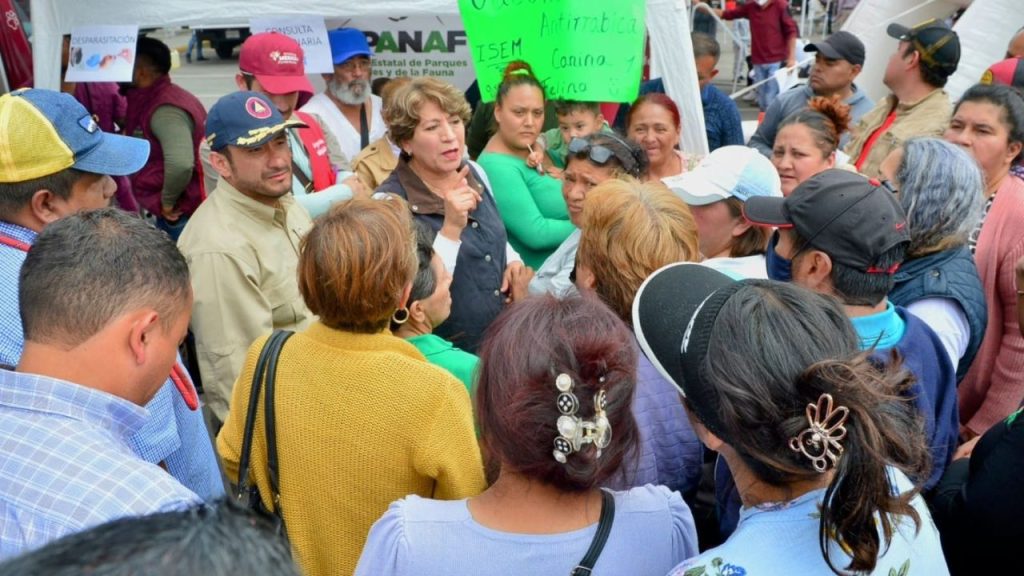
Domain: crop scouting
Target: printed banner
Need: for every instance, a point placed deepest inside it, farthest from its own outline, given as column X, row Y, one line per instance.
column 579, row 49
column 418, row 46
column 102, row 53
column 310, row 33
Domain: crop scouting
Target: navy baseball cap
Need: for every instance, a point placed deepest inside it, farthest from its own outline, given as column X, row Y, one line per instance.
column 347, row 43
column 937, row 43
column 43, row 132
column 244, row 119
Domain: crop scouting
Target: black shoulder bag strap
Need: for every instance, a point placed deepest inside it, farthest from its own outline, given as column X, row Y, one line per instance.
column 604, row 528
column 270, row 423
column 364, row 126
column 267, row 359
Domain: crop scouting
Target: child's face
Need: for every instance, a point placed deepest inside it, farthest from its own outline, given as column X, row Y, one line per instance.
column 579, row 123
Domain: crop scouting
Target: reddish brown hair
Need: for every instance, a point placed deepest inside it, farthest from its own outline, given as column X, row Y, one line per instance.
column 525, row 349
column 657, row 99
column 826, row 118
column 356, row 261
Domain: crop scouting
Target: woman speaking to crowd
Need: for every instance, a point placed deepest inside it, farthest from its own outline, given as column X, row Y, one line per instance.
column 427, row 120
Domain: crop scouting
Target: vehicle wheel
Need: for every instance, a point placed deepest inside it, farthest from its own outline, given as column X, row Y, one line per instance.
column 225, row 50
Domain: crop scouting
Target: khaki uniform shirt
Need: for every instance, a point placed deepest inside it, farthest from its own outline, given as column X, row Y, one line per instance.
column 243, row 258
column 928, row 116
column 375, row 163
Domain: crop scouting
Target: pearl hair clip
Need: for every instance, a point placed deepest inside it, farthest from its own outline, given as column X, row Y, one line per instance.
column 820, row 441
column 575, row 432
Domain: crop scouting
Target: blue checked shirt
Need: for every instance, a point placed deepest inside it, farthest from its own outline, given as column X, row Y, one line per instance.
column 172, row 434
column 66, row 464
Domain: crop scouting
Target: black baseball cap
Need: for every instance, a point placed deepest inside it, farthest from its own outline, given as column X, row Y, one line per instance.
column 673, row 313
column 852, row 219
column 840, row 46
column 937, row 43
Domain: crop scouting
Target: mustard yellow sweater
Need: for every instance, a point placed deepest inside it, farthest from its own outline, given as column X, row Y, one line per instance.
column 362, row 420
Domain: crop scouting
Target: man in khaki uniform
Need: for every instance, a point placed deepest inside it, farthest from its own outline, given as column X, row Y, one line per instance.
column 242, row 244
column 927, row 56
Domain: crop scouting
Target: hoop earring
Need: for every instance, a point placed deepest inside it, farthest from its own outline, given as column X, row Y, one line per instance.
column 401, row 316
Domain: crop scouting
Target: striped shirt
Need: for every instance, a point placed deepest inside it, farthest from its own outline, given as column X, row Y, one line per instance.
column 66, row 462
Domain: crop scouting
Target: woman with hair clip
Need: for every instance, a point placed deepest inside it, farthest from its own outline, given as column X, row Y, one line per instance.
column 555, row 424
column 529, row 201
column 988, row 123
column 939, row 187
column 591, row 160
column 820, row 440
column 808, row 141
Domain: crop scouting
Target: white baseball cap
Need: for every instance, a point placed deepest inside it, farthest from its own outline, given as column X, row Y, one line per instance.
column 728, row 172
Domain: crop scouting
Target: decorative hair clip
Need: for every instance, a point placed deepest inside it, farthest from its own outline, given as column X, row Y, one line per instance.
column 820, row 441
column 575, row 432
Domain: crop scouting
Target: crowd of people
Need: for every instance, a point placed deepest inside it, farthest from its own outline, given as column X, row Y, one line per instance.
column 571, row 347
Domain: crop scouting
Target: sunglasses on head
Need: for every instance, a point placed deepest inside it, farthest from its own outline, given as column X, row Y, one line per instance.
column 600, row 155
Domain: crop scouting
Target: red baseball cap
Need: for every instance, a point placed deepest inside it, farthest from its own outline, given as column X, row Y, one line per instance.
column 1009, row 72
column 276, row 60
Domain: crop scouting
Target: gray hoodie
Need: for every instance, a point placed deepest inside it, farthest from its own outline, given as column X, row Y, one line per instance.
column 794, row 100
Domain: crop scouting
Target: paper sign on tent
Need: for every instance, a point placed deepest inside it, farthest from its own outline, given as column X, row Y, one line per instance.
column 309, row 31
column 590, row 50
column 102, row 53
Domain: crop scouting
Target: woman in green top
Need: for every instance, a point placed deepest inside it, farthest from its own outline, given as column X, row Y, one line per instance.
column 430, row 303
column 530, row 202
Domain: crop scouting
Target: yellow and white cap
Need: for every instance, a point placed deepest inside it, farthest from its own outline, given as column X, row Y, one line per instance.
column 43, row 132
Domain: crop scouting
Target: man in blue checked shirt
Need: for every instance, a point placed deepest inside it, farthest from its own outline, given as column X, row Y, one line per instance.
column 105, row 301
column 54, row 161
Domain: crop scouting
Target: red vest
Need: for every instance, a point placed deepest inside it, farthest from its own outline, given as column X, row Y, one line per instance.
column 315, row 144
column 148, row 182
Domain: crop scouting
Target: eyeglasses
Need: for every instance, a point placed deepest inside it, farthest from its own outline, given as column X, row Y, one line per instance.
column 352, row 64
column 888, row 186
column 600, row 155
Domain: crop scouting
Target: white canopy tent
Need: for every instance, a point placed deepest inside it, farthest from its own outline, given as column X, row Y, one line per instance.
column 984, row 29
column 667, row 20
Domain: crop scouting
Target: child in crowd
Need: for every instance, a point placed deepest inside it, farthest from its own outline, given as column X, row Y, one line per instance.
column 575, row 120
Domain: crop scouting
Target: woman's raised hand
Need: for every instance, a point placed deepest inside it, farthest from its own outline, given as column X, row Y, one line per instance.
column 458, row 203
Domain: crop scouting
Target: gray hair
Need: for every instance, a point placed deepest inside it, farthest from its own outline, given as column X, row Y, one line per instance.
column 705, row 45
column 941, row 192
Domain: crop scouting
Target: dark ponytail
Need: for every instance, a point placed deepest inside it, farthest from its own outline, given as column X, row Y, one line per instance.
column 517, row 73
column 861, row 487
column 776, row 348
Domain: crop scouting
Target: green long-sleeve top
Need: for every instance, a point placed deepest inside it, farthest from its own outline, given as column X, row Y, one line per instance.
column 443, row 353
column 531, row 206
column 173, row 127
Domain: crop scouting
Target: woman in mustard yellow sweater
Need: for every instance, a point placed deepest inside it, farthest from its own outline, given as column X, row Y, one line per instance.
column 362, row 418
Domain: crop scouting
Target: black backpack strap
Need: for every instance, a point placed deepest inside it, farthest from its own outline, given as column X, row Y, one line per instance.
column 604, row 528
column 250, row 416
column 270, row 422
